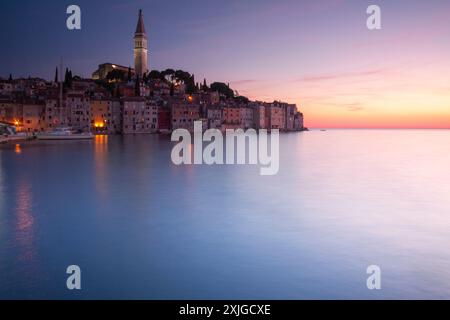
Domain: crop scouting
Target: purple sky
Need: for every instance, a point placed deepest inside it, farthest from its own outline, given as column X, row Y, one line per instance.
column 316, row 53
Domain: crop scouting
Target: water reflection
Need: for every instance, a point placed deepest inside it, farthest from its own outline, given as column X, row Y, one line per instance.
column 101, row 166
column 342, row 200
column 24, row 221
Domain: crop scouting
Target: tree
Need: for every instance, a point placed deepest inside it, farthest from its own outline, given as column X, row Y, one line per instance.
column 137, row 87
column 10, row 77
column 169, row 74
column 155, row 75
column 182, row 76
column 66, row 77
column 204, row 86
column 222, row 88
column 116, row 75
column 241, row 99
column 56, row 75
column 129, row 74
column 190, row 85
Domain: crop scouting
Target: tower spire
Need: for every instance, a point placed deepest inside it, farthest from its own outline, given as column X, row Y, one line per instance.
column 140, row 28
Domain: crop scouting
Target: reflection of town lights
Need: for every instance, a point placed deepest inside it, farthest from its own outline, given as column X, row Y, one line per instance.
column 190, row 98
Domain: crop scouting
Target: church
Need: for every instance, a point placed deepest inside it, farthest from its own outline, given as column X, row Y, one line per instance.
column 140, row 55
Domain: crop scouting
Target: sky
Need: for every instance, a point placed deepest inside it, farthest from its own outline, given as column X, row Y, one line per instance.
column 318, row 54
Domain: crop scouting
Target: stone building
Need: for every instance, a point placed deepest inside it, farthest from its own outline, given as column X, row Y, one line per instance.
column 33, row 116
column 139, row 115
column 246, row 117
column 106, row 116
column 79, row 110
column 214, row 116
column 184, row 114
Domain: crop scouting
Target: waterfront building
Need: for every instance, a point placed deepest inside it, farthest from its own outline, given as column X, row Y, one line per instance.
column 184, row 114
column 275, row 116
column 290, row 111
column 259, row 116
column 106, row 116
column 11, row 112
column 164, row 119
column 214, row 116
column 55, row 115
column 139, row 115
column 79, row 110
column 246, row 117
column 298, row 122
column 33, row 116
column 231, row 116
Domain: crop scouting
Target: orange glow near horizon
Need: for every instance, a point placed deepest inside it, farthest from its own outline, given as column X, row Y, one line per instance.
column 371, row 98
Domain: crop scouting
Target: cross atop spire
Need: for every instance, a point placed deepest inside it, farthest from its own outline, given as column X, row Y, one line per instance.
column 140, row 28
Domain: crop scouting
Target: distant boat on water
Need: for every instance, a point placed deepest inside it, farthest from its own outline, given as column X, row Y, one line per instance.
column 64, row 133
column 8, row 133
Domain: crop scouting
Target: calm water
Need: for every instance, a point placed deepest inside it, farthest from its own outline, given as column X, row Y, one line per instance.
column 140, row 227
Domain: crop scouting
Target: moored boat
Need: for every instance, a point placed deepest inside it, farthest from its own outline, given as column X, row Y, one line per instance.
column 64, row 134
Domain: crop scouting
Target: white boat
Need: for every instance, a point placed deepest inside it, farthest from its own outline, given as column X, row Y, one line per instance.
column 8, row 133
column 64, row 133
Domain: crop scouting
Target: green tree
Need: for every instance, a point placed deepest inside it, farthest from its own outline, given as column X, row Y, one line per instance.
column 182, row 76
column 222, row 88
column 137, row 87
column 155, row 75
column 169, row 75
column 242, row 99
column 190, row 85
column 204, row 86
column 116, row 75
column 129, row 74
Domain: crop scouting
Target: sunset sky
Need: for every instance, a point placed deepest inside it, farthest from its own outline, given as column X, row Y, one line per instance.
column 316, row 53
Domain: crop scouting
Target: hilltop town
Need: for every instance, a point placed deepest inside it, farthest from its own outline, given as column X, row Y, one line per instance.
column 124, row 100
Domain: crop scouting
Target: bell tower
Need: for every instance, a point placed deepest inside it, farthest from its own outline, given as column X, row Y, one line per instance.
column 140, row 48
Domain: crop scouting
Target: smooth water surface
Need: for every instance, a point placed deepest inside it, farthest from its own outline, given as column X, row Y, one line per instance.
column 141, row 227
